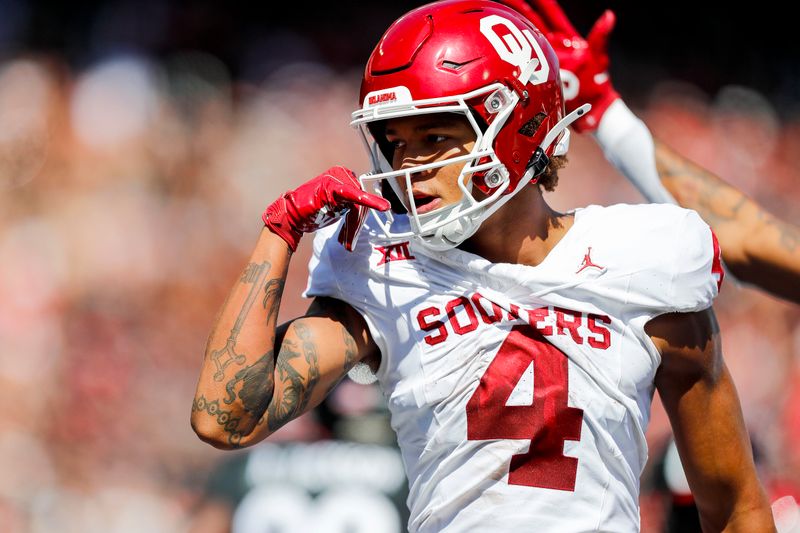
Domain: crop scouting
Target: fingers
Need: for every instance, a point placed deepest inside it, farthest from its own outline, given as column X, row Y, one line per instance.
column 524, row 8
column 344, row 188
column 598, row 37
column 348, row 189
column 355, row 195
column 340, row 190
column 554, row 16
column 372, row 201
column 351, row 226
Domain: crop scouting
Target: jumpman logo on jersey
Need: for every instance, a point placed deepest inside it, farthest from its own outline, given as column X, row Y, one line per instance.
column 587, row 262
column 395, row 252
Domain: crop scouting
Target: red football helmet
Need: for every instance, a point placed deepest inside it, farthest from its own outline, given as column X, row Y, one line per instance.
column 487, row 62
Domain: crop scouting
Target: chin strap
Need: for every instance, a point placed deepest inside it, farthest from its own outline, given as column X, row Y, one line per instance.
column 539, row 159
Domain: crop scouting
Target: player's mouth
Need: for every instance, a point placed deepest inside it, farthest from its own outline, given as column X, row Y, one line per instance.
column 426, row 203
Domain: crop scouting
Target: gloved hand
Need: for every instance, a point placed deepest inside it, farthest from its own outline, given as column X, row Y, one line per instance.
column 583, row 62
column 319, row 203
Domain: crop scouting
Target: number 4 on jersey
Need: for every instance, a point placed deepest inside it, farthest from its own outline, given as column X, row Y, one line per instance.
column 547, row 423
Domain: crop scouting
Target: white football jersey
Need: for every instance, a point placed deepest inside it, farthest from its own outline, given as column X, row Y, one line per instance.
column 520, row 395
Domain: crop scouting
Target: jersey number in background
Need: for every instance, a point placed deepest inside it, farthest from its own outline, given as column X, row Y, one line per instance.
column 547, row 423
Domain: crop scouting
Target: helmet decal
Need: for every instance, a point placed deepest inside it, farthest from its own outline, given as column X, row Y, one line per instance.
column 516, row 46
column 392, row 95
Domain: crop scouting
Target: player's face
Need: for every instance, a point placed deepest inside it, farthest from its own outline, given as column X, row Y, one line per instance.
column 426, row 139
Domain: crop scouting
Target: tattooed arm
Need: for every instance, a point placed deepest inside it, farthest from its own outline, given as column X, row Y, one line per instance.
column 756, row 246
column 255, row 379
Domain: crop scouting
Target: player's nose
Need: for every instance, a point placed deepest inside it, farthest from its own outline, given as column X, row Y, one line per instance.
column 412, row 162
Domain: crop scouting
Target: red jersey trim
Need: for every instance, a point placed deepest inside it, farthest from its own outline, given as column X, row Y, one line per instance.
column 716, row 264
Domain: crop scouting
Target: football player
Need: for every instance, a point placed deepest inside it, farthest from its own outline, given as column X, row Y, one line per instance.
column 518, row 347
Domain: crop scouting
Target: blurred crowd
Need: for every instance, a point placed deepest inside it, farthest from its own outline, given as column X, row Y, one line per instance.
column 130, row 194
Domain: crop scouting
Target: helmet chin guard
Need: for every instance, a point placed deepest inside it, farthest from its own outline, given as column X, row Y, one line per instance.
column 485, row 62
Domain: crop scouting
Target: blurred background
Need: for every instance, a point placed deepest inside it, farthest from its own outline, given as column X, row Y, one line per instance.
column 140, row 142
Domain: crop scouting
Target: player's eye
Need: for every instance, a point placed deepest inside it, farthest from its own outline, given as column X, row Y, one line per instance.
column 436, row 138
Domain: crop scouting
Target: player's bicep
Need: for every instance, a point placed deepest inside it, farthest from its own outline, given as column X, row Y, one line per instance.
column 695, row 386
column 700, row 399
column 689, row 346
column 315, row 352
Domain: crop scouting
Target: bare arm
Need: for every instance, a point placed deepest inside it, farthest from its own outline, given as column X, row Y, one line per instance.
column 703, row 407
column 255, row 377
column 757, row 247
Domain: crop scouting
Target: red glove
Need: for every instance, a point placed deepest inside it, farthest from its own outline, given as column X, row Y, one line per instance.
column 584, row 62
column 319, row 203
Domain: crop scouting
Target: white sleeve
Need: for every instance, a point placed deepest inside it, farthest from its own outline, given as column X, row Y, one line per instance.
column 628, row 145
column 321, row 275
column 336, row 273
column 673, row 260
column 696, row 271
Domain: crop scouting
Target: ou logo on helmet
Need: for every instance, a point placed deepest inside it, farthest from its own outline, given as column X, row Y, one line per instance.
column 516, row 47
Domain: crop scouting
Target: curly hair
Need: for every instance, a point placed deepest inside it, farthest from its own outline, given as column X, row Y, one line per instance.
column 549, row 178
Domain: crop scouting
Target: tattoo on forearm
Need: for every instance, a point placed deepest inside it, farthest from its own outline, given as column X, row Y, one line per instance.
column 310, row 354
column 716, row 201
column 788, row 235
column 350, row 350
column 253, row 274
column 350, row 354
column 257, row 385
column 283, row 408
column 272, row 297
column 224, row 418
column 717, row 212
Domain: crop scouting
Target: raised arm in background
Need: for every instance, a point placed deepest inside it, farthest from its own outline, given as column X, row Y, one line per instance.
column 757, row 247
